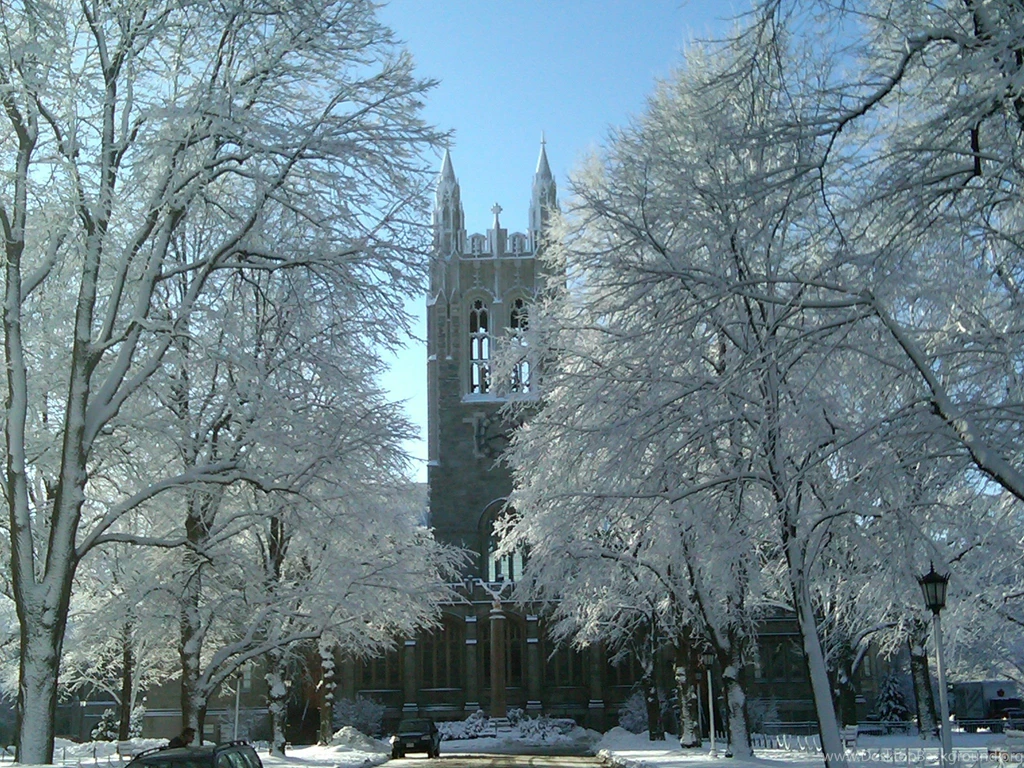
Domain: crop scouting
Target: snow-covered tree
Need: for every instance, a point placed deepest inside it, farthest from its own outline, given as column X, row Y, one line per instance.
column 126, row 122
column 117, row 635
column 711, row 380
column 891, row 703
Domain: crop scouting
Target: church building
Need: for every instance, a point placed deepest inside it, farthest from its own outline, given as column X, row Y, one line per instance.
column 489, row 653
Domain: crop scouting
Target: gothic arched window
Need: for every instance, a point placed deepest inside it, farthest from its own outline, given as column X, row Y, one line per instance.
column 509, row 567
column 497, row 567
column 441, row 654
column 519, row 317
column 518, row 322
column 479, row 348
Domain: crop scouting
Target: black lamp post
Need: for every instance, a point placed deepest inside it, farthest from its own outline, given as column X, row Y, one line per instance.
column 933, row 587
column 708, row 658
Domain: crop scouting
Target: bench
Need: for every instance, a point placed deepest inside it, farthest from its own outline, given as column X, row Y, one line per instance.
column 848, row 736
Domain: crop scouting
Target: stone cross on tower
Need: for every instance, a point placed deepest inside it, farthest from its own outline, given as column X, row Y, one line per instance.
column 497, row 238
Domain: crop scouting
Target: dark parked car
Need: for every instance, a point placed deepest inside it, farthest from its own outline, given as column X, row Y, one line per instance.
column 420, row 735
column 234, row 754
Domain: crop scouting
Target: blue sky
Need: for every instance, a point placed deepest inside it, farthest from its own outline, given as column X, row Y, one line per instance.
column 510, row 70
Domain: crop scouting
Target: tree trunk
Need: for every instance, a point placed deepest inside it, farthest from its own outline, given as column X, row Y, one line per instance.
column 328, row 685
column 846, row 692
column 736, row 702
column 828, row 724
column 686, row 693
column 655, row 726
column 43, row 603
column 189, row 649
column 277, row 702
column 201, row 511
column 41, row 640
column 127, row 670
column 927, row 719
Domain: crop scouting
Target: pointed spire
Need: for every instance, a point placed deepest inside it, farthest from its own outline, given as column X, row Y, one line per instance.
column 447, row 172
column 449, row 235
column 544, row 198
column 543, row 169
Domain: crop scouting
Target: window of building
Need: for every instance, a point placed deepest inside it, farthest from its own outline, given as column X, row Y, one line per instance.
column 510, row 566
column 783, row 659
column 797, row 661
column 624, row 672
column 516, row 641
column 518, row 322
column 441, row 656
column 865, row 666
column 773, row 660
column 379, row 673
column 565, row 667
column 479, row 348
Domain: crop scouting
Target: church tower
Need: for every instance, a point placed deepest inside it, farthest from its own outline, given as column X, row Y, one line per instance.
column 481, row 288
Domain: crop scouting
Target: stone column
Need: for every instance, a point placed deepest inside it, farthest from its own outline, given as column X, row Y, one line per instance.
column 410, row 679
column 534, row 670
column 472, row 680
column 498, row 708
column 596, row 685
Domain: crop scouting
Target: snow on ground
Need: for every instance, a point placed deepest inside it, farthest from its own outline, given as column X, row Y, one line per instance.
column 617, row 748
column 513, row 741
column 350, row 749
column 623, row 749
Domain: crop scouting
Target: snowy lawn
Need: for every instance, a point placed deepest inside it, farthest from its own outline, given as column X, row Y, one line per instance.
column 618, row 748
column 628, row 750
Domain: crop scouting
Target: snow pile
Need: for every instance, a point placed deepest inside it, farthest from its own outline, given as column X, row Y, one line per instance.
column 558, row 732
column 335, row 756
column 620, row 748
column 473, row 727
column 350, row 739
column 535, row 733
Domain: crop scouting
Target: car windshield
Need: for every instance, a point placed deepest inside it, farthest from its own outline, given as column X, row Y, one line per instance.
column 414, row 726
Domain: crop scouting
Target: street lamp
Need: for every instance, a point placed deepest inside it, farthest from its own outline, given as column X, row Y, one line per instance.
column 709, row 658
column 933, row 586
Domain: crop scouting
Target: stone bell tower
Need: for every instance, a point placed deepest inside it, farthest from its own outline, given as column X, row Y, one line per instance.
column 481, row 289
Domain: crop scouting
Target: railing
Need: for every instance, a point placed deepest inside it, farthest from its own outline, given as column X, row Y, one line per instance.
column 911, row 756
